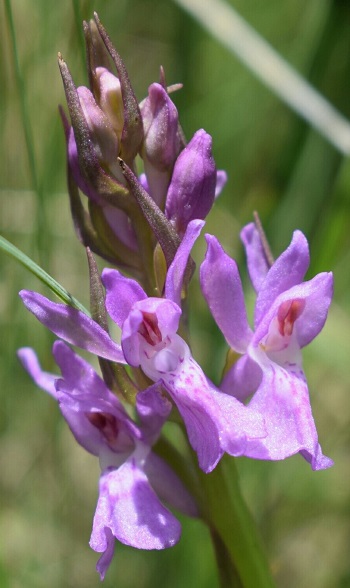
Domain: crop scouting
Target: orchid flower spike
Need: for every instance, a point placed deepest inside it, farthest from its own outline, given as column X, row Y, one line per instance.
column 216, row 422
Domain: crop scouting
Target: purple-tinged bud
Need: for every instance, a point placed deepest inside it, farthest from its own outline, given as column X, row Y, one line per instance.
column 96, row 52
column 192, row 189
column 161, row 144
column 93, row 148
column 73, row 162
column 110, row 98
column 121, row 225
column 160, row 120
column 132, row 133
column 102, row 134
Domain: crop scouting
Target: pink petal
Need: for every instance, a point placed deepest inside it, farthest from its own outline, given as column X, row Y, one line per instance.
column 176, row 271
column 283, row 399
column 129, row 507
column 72, row 326
column 121, row 294
column 288, row 270
column 222, row 289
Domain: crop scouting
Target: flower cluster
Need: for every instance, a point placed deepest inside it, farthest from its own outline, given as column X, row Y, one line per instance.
column 146, row 227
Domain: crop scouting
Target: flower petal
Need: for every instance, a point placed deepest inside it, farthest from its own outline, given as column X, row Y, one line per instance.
column 129, row 507
column 131, row 337
column 167, row 315
column 153, row 409
column 121, row 294
column 287, row 271
column 95, row 416
column 317, row 294
column 242, row 379
column 168, row 485
column 221, row 179
column 44, row 380
column 106, row 558
column 202, row 429
column 176, row 271
column 72, row 326
column 283, row 399
column 222, row 288
column 319, row 298
column 82, row 429
column 78, row 374
column 258, row 265
column 215, row 422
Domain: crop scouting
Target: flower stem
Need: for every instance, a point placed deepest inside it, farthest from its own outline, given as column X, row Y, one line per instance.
column 240, row 555
column 227, row 571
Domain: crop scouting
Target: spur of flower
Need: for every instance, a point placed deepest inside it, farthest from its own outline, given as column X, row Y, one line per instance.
column 134, row 480
column 216, row 422
column 289, row 313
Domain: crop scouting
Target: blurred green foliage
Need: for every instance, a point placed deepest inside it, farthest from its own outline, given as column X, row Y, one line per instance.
column 276, row 165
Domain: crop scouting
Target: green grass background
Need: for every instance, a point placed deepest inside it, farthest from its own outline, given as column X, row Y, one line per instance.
column 277, row 165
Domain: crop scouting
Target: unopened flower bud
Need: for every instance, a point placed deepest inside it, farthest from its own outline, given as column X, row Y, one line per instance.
column 110, row 98
column 192, row 189
column 161, row 143
column 102, row 134
column 105, row 124
column 160, row 122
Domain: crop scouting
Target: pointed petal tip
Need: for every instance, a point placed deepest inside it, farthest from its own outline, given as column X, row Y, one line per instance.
column 323, row 464
column 211, row 240
column 318, row 461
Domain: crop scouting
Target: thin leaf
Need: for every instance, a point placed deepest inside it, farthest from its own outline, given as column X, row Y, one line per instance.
column 43, row 276
column 224, row 23
column 28, row 135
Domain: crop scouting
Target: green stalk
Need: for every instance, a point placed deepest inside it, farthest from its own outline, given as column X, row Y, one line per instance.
column 227, row 571
column 241, row 558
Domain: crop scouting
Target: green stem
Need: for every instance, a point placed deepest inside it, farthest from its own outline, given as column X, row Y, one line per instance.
column 227, row 571
column 241, row 557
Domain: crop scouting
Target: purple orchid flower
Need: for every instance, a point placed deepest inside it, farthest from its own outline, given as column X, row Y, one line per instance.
column 215, row 422
column 132, row 478
column 289, row 313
